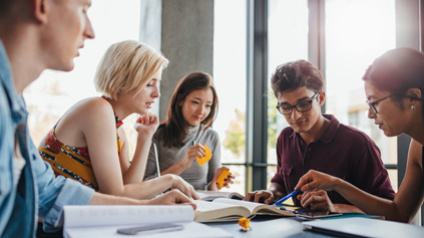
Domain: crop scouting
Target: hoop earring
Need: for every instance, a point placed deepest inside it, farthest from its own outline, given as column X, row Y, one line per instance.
column 412, row 107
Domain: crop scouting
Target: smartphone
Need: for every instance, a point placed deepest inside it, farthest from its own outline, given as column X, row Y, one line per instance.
column 150, row 229
column 317, row 214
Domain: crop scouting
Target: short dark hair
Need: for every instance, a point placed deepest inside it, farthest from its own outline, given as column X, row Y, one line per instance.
column 296, row 74
column 174, row 128
column 5, row 7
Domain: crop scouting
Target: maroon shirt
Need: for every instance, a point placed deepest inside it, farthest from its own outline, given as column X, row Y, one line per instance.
column 342, row 151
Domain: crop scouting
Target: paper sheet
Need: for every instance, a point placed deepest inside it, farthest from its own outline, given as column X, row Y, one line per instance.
column 191, row 230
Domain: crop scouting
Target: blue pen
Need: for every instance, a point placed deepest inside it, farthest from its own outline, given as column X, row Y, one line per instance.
column 278, row 203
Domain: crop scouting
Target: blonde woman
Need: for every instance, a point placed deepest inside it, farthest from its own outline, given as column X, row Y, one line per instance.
column 87, row 144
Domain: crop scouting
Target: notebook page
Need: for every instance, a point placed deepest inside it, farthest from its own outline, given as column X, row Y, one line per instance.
column 87, row 216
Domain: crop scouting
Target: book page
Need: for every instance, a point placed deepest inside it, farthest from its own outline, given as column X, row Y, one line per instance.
column 255, row 207
column 204, row 206
column 99, row 215
column 210, row 211
column 211, row 195
column 249, row 205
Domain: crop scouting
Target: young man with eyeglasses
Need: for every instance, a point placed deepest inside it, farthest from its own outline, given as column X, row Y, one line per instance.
column 318, row 141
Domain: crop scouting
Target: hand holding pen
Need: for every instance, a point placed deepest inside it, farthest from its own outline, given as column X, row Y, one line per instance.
column 279, row 202
column 244, row 222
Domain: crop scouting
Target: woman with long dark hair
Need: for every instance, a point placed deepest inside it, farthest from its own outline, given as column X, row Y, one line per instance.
column 182, row 137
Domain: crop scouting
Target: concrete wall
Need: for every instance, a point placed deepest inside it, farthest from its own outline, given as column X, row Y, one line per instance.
column 150, row 29
column 186, row 39
column 150, row 23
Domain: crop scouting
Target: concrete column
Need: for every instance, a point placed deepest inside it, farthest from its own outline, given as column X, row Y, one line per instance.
column 187, row 41
column 150, row 29
column 150, row 23
column 183, row 31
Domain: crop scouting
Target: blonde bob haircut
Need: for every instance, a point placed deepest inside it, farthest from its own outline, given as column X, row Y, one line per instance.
column 127, row 66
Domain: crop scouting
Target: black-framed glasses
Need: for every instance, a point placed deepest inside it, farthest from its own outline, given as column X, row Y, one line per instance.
column 373, row 104
column 303, row 106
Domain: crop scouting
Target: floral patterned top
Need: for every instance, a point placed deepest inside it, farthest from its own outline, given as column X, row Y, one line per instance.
column 69, row 161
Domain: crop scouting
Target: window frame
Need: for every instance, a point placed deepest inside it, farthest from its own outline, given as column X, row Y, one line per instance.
column 409, row 12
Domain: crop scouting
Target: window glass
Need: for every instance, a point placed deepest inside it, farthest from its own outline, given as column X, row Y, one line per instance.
column 287, row 41
column 230, row 81
column 239, row 171
column 354, row 37
column 54, row 92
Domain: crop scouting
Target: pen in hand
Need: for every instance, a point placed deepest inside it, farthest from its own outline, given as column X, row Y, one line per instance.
column 244, row 222
column 279, row 202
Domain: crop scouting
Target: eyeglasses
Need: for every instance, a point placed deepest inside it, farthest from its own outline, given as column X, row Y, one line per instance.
column 373, row 104
column 303, row 106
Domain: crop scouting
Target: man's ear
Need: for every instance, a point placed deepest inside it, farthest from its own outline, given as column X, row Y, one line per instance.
column 321, row 98
column 414, row 93
column 40, row 10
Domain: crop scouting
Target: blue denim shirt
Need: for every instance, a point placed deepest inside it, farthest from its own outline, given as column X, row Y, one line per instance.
column 38, row 193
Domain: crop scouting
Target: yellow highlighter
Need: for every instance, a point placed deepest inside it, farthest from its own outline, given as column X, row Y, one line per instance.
column 224, row 174
column 206, row 158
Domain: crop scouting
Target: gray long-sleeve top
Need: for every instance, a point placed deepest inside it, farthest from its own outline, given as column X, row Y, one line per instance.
column 198, row 176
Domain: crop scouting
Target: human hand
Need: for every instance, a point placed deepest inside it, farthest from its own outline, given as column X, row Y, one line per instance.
column 146, row 125
column 173, row 197
column 191, row 155
column 186, row 188
column 317, row 200
column 261, row 196
column 214, row 186
column 314, row 179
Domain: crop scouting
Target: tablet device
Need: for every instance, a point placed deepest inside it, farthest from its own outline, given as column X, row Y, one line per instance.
column 317, row 214
column 308, row 213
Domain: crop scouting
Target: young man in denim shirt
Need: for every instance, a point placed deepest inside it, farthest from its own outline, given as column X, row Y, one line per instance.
column 36, row 35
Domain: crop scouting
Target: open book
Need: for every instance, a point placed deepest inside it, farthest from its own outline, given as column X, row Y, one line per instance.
column 212, row 195
column 228, row 209
column 104, row 221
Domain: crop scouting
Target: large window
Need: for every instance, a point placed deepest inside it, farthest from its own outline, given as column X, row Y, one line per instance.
column 287, row 41
column 351, row 44
column 267, row 33
column 349, row 37
column 230, row 81
column 55, row 92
